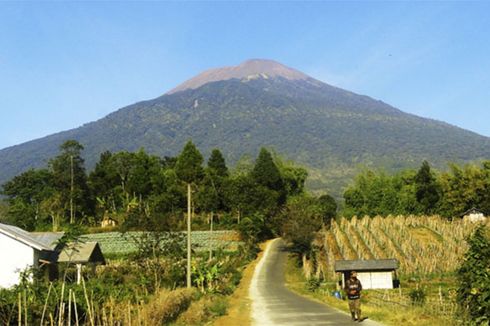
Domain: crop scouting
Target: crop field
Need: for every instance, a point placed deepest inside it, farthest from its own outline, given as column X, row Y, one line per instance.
column 422, row 245
column 117, row 243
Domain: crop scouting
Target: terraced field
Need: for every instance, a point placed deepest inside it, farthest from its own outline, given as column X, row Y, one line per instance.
column 422, row 245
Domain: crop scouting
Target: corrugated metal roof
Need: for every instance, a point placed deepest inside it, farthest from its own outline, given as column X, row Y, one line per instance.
column 365, row 265
column 49, row 239
column 22, row 236
column 81, row 253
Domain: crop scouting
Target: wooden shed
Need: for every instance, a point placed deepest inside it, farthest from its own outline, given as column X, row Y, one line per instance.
column 373, row 274
column 81, row 254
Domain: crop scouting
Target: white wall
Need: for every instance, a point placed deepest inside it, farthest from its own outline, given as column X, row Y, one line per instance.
column 375, row 280
column 14, row 257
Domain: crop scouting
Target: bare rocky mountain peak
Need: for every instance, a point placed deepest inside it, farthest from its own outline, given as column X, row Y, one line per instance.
column 247, row 70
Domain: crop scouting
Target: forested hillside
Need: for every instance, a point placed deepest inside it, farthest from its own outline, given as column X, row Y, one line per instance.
column 326, row 129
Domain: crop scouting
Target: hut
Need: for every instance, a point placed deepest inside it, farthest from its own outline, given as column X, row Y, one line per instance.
column 373, row 274
column 474, row 215
column 81, row 254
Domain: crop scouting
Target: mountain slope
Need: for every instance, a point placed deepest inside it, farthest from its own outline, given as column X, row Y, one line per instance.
column 328, row 129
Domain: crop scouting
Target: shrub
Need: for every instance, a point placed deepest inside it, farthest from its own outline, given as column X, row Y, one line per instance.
column 313, row 284
column 218, row 306
column 417, row 296
column 473, row 275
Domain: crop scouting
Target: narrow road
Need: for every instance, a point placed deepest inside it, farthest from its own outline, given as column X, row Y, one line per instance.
column 274, row 304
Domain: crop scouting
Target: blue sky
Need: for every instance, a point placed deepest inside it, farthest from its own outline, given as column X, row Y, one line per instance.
column 63, row 64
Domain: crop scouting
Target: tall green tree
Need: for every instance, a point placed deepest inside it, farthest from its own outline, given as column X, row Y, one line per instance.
column 70, row 180
column 189, row 169
column 212, row 191
column 217, row 164
column 266, row 173
column 427, row 189
column 328, row 208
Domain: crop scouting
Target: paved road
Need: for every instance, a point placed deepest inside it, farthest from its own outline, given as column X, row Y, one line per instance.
column 274, row 304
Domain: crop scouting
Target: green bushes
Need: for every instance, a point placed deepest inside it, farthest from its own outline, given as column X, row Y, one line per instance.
column 417, row 296
column 473, row 276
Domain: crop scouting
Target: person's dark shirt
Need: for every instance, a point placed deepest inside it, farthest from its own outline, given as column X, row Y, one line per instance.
column 353, row 288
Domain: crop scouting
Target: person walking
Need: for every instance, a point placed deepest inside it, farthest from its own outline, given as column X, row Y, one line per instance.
column 353, row 288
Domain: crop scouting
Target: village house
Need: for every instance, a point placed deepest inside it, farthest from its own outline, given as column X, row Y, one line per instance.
column 22, row 250
column 373, row 274
column 19, row 250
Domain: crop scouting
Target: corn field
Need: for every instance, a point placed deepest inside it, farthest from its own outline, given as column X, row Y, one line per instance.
column 423, row 245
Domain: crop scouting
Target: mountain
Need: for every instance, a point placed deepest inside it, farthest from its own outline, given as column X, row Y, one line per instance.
column 259, row 103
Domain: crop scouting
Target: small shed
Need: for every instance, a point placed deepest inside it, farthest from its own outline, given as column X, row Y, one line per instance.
column 19, row 251
column 474, row 215
column 373, row 274
column 80, row 254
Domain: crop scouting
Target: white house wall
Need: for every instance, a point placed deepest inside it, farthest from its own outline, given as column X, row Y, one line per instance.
column 14, row 257
column 375, row 280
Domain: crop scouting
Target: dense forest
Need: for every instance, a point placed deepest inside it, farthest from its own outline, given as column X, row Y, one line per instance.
column 146, row 192
column 142, row 191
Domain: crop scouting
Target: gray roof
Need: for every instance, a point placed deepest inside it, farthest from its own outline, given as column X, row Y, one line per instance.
column 22, row 236
column 49, row 239
column 81, row 253
column 366, row 265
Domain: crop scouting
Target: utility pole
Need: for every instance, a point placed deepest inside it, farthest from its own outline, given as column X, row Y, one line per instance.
column 72, row 218
column 188, row 235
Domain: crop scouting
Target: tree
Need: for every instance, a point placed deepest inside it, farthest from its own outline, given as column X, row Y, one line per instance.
column 217, row 173
column 246, row 197
column 266, row 173
column 473, row 275
column 25, row 194
column 70, row 180
column 189, row 164
column 217, row 165
column 328, row 208
column 302, row 218
column 189, row 169
column 427, row 189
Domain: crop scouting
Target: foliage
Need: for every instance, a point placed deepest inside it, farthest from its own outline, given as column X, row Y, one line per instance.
column 70, row 180
column 266, row 173
column 417, row 296
column 313, row 284
column 328, row 208
column 421, row 192
column 426, row 189
column 302, row 218
column 189, row 164
column 26, row 194
column 473, row 277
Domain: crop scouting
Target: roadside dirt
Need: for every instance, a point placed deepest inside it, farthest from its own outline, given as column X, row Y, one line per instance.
column 239, row 311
